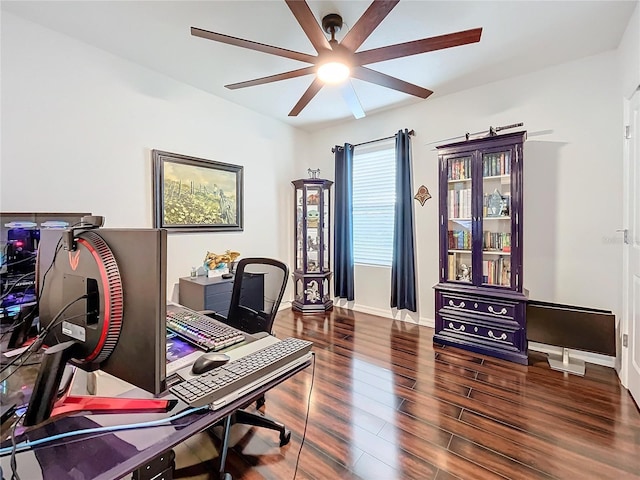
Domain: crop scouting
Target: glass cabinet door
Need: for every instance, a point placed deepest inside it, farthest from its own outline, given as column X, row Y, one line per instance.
column 299, row 229
column 325, row 230
column 496, row 218
column 479, row 223
column 459, row 217
column 312, row 198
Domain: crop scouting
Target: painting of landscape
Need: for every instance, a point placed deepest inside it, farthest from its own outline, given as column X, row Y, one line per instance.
column 197, row 194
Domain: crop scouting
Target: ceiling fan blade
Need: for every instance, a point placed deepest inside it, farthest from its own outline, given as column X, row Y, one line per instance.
column 309, row 24
column 418, row 46
column 260, row 47
column 367, row 23
column 311, row 92
column 272, row 78
column 368, row 75
column 350, row 96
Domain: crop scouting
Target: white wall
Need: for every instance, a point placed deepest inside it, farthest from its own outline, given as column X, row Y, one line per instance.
column 629, row 55
column 572, row 177
column 78, row 127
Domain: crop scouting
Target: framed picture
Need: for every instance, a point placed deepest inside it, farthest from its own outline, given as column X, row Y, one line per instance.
column 194, row 195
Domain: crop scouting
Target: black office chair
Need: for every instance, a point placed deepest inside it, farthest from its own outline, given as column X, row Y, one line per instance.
column 257, row 291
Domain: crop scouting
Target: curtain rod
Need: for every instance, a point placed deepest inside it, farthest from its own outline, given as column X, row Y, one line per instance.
column 411, row 132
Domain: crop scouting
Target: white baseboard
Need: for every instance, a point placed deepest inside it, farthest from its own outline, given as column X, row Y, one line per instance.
column 596, row 358
column 285, row 304
column 402, row 315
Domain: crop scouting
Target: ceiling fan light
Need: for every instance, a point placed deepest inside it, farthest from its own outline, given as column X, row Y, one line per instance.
column 333, row 72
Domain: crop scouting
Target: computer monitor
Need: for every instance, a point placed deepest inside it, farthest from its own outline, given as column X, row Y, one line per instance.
column 19, row 239
column 17, row 264
column 102, row 302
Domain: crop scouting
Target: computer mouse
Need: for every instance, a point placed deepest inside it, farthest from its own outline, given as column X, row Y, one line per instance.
column 209, row 361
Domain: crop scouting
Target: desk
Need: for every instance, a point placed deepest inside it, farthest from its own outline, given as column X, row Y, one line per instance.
column 111, row 456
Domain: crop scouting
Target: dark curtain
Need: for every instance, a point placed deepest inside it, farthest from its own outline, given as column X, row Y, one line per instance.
column 403, row 271
column 343, row 232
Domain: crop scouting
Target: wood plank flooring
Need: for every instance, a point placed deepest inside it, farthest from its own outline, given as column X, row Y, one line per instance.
column 388, row 404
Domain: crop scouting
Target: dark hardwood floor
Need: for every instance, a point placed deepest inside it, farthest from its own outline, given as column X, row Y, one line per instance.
column 389, row 404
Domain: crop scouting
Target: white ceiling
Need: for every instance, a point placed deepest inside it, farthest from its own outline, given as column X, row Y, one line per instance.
column 518, row 37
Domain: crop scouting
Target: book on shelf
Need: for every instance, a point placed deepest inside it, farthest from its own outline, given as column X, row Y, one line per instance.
column 496, row 164
column 451, row 273
column 505, row 278
column 460, row 203
column 459, row 169
column 459, row 239
column 497, row 272
column 500, row 241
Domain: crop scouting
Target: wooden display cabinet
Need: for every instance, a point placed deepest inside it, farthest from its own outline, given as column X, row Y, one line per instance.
column 312, row 272
column 480, row 300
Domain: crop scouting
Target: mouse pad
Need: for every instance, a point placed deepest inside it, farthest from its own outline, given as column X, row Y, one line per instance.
column 178, row 348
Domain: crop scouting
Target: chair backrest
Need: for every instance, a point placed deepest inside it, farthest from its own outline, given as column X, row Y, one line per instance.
column 257, row 291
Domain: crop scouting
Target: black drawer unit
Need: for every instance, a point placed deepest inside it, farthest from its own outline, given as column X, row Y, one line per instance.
column 204, row 293
column 489, row 323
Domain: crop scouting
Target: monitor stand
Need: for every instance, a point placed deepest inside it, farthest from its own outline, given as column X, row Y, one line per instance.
column 45, row 404
column 563, row 363
column 24, row 324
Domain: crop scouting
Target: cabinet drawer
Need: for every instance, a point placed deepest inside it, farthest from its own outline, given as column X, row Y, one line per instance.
column 218, row 305
column 495, row 308
column 218, row 288
column 480, row 331
column 217, row 297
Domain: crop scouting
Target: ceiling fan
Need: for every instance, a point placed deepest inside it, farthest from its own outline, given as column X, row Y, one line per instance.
column 341, row 58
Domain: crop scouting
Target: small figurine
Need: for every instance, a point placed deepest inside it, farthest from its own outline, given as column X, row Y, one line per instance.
column 313, row 294
column 311, row 243
column 213, row 261
column 312, row 218
column 504, row 206
column 465, row 273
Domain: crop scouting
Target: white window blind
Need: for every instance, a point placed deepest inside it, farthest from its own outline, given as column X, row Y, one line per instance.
column 374, row 198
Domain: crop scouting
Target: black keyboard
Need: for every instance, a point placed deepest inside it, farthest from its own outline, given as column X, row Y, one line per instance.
column 198, row 329
column 220, row 382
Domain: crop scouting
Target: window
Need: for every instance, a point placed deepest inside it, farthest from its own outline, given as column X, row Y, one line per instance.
column 374, row 198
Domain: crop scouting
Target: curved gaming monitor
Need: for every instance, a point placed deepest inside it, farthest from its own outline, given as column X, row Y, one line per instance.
column 102, row 304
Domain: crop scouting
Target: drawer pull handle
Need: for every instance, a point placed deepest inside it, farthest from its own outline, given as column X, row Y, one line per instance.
column 501, row 337
column 461, row 305
column 501, row 312
column 461, row 329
